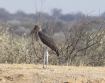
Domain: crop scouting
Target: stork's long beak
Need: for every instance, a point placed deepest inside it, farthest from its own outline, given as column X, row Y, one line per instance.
column 34, row 34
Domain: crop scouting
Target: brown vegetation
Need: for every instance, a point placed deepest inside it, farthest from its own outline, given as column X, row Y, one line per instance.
column 83, row 45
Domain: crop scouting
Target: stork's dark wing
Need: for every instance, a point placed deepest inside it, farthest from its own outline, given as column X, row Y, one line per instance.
column 48, row 41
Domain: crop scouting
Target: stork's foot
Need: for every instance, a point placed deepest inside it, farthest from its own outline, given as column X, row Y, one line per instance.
column 45, row 67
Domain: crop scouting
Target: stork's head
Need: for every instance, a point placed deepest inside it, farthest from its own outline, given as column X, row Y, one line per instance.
column 35, row 31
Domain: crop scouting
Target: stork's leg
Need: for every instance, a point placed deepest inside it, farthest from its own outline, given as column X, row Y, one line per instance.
column 47, row 54
column 45, row 60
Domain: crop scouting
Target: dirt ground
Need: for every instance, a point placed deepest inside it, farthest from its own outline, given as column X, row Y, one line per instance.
column 29, row 73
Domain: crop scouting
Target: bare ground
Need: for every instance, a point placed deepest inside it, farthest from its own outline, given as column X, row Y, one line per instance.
column 29, row 73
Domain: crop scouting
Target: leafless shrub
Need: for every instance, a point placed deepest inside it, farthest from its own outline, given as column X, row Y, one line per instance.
column 82, row 43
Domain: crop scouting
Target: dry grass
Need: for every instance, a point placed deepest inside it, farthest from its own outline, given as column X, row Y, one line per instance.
column 28, row 73
column 18, row 49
